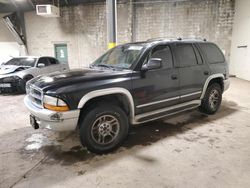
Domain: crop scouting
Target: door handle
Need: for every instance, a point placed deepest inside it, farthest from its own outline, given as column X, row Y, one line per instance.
column 206, row 72
column 174, row 77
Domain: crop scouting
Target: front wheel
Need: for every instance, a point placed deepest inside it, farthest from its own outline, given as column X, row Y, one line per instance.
column 212, row 99
column 104, row 128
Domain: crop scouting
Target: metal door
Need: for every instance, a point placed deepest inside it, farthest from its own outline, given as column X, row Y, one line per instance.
column 61, row 53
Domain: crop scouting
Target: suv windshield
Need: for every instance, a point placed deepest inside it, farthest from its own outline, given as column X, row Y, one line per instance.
column 119, row 57
column 24, row 61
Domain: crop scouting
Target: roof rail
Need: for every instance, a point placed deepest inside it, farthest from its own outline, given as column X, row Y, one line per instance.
column 176, row 38
column 194, row 38
column 161, row 39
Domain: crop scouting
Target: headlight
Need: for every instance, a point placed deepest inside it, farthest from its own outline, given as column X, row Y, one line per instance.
column 55, row 104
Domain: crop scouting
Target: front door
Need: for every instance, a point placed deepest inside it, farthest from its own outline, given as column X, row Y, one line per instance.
column 61, row 53
column 158, row 88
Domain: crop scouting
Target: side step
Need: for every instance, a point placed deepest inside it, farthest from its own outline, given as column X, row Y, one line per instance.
column 156, row 114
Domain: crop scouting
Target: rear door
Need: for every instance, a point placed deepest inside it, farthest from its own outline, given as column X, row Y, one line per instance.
column 193, row 71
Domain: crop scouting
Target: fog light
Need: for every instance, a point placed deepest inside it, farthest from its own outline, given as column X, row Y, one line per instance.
column 56, row 117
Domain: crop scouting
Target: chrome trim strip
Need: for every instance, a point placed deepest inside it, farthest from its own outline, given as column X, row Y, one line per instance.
column 207, row 82
column 135, row 120
column 157, row 102
column 108, row 91
column 32, row 87
column 190, row 94
column 170, row 114
column 169, row 99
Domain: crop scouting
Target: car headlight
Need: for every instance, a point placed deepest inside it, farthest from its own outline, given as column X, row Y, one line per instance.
column 55, row 104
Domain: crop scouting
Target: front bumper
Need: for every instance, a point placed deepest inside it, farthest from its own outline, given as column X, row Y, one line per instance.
column 10, row 84
column 226, row 84
column 58, row 121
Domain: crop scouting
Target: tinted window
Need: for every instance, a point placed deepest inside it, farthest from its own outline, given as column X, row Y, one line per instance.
column 53, row 61
column 186, row 55
column 164, row 53
column 198, row 55
column 44, row 60
column 213, row 53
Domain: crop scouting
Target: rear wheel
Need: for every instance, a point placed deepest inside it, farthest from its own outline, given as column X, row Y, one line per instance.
column 103, row 128
column 212, row 99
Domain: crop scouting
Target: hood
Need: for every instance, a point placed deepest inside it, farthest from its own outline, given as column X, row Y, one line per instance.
column 69, row 78
column 7, row 69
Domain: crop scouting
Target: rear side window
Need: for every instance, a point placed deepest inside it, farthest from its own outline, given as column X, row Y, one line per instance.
column 198, row 55
column 164, row 53
column 186, row 55
column 213, row 53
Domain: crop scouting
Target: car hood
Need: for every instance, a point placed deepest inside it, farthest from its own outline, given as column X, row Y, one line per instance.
column 7, row 69
column 59, row 80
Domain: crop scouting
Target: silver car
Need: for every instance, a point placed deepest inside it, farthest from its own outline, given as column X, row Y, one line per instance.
column 16, row 72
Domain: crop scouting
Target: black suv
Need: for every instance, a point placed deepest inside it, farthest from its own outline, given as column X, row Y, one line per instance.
column 130, row 84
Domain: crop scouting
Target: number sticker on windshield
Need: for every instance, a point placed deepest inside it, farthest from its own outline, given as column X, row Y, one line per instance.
column 135, row 47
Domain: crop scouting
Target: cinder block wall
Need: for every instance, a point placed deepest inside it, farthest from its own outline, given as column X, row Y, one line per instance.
column 83, row 27
column 210, row 19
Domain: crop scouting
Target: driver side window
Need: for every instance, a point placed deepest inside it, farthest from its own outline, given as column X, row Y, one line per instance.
column 163, row 52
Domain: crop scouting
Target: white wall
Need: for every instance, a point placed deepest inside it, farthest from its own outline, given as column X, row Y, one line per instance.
column 8, row 50
column 8, row 47
column 240, row 56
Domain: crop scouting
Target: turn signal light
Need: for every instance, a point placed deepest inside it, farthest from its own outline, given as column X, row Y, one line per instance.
column 56, row 108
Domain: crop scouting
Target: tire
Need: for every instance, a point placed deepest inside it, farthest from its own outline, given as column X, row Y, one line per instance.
column 103, row 128
column 211, row 102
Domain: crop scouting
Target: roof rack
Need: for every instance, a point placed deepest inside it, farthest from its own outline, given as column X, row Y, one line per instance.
column 161, row 39
column 194, row 38
column 176, row 38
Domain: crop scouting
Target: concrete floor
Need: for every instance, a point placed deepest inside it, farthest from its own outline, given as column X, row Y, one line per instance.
column 191, row 150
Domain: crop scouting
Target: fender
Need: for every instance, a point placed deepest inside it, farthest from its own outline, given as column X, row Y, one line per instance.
column 207, row 82
column 103, row 92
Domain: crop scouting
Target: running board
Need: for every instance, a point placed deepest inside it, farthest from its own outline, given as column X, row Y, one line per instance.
column 157, row 114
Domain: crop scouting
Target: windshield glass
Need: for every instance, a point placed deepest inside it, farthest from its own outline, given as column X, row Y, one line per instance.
column 24, row 61
column 119, row 57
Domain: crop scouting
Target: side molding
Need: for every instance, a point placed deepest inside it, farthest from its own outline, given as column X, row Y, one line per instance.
column 109, row 91
column 207, row 82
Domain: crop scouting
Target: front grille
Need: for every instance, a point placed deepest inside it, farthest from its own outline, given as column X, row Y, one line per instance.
column 36, row 96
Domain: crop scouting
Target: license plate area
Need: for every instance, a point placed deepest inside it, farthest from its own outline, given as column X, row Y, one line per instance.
column 5, row 85
column 33, row 122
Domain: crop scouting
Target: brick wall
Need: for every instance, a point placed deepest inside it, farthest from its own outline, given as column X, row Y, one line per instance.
column 83, row 27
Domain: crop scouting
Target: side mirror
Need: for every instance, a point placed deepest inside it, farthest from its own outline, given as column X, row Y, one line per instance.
column 153, row 63
column 41, row 65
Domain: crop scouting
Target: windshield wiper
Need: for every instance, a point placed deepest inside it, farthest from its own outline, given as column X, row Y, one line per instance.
column 102, row 65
